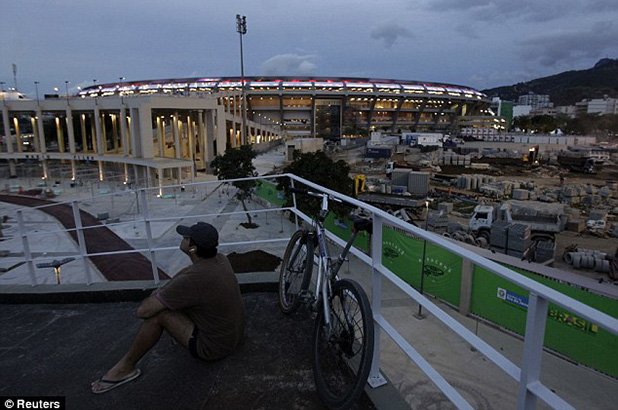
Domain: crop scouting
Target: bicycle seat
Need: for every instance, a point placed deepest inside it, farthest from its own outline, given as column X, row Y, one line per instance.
column 363, row 224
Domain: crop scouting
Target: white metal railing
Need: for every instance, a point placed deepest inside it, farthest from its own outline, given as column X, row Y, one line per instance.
column 528, row 376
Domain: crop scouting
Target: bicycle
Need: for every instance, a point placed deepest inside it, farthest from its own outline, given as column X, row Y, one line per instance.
column 343, row 335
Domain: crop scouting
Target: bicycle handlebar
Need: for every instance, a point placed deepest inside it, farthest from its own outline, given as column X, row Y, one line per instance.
column 320, row 195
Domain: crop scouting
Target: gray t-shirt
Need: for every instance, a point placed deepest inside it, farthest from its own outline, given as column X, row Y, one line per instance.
column 208, row 293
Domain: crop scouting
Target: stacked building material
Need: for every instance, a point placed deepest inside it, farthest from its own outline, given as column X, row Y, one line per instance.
column 418, row 183
column 446, row 207
column 437, row 221
column 400, row 177
column 498, row 236
column 521, row 194
column 545, row 251
column 519, row 239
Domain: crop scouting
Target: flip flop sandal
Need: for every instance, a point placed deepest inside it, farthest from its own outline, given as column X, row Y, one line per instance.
column 112, row 384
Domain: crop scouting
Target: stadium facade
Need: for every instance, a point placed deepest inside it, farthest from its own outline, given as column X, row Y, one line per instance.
column 328, row 107
column 147, row 131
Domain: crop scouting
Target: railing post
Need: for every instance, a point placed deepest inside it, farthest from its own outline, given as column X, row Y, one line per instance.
column 26, row 245
column 81, row 241
column 465, row 289
column 153, row 257
column 533, row 350
column 294, row 202
column 375, row 378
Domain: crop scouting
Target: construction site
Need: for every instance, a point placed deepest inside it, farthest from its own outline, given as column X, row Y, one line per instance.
column 541, row 201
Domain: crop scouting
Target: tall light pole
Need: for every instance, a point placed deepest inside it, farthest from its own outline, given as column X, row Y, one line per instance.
column 66, row 87
column 36, row 87
column 96, row 100
column 120, row 90
column 241, row 29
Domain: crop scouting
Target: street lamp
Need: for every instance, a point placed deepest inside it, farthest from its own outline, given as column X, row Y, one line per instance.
column 66, row 87
column 120, row 90
column 96, row 100
column 241, row 29
column 36, row 87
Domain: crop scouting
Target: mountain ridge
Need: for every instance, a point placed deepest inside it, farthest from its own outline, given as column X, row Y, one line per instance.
column 568, row 87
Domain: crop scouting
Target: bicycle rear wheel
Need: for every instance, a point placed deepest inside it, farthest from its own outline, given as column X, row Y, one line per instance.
column 342, row 353
column 295, row 272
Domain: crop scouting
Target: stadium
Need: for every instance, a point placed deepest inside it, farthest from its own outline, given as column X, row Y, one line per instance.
column 327, row 107
column 146, row 131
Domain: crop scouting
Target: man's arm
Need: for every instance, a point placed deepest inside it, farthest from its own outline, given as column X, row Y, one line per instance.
column 149, row 307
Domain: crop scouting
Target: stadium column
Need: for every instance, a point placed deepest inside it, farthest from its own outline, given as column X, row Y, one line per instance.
column 135, row 134
column 177, row 147
column 209, row 135
column 124, row 141
column 115, row 132
column 39, row 126
column 18, row 141
column 191, row 143
column 160, row 135
column 145, row 136
column 59, row 135
column 98, row 132
column 82, row 127
column 71, row 135
column 201, row 137
column 175, row 134
column 8, row 140
column 220, row 130
column 35, row 132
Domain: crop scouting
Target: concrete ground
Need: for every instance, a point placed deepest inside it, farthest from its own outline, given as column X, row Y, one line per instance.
column 58, row 350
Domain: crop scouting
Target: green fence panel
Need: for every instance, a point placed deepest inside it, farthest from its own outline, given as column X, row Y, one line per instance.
column 268, row 191
column 493, row 298
column 342, row 227
column 505, row 304
column 403, row 255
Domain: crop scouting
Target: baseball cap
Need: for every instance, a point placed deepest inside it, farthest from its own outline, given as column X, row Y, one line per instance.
column 203, row 234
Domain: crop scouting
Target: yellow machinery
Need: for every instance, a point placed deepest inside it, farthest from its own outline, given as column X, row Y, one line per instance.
column 359, row 184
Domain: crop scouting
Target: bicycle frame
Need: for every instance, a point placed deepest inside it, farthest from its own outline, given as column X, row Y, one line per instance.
column 327, row 272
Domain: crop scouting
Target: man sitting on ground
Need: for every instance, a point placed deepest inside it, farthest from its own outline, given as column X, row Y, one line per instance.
column 201, row 307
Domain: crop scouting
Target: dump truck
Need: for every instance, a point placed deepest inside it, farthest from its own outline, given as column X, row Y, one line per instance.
column 545, row 220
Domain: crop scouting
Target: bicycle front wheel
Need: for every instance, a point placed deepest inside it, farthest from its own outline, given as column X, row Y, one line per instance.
column 295, row 272
column 343, row 351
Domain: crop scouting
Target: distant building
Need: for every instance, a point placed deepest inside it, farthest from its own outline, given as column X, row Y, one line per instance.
column 603, row 106
column 504, row 109
column 569, row 110
column 521, row 110
column 536, row 101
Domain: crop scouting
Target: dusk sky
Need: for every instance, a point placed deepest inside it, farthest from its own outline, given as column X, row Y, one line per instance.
column 477, row 43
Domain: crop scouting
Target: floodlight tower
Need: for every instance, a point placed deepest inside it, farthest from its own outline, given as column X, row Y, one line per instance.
column 241, row 29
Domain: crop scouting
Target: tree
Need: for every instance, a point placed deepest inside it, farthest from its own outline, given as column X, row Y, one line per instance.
column 238, row 163
column 317, row 167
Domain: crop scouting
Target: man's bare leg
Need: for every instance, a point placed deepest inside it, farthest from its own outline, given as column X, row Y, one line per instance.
column 178, row 325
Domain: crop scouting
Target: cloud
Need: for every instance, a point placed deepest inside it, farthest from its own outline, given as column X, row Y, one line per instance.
column 289, row 64
column 554, row 48
column 500, row 10
column 389, row 32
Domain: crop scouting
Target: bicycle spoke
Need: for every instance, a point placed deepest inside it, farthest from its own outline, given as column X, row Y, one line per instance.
column 343, row 350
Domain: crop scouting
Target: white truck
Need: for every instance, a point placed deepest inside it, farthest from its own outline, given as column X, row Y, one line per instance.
column 545, row 220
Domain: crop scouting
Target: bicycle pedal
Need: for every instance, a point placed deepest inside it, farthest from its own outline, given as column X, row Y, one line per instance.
column 305, row 296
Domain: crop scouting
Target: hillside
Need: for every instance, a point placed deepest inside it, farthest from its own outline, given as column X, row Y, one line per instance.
column 568, row 87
